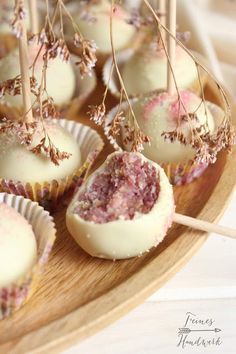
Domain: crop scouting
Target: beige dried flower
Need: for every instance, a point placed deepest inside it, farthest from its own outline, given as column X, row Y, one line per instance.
column 97, row 113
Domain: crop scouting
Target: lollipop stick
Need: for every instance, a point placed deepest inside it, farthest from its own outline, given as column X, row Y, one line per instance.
column 171, row 16
column 162, row 11
column 204, row 225
column 34, row 21
column 24, row 69
column 162, row 15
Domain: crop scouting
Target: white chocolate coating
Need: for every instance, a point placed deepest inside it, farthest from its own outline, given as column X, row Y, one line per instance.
column 19, row 164
column 99, row 29
column 18, row 248
column 61, row 80
column 158, row 114
column 146, row 71
column 122, row 239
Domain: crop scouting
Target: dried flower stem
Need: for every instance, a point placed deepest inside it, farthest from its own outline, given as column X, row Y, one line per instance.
column 75, row 26
column 162, row 15
column 136, row 126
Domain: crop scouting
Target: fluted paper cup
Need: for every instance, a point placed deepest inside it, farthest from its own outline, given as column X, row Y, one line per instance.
column 18, row 293
column 48, row 193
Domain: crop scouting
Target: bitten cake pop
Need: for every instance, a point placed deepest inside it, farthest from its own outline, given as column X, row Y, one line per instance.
column 94, row 22
column 124, row 208
column 18, row 248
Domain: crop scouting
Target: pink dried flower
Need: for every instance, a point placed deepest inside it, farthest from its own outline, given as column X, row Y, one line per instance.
column 87, row 55
column 19, row 15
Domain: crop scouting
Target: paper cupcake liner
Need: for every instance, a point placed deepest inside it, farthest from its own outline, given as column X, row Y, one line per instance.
column 16, row 295
column 84, row 87
column 48, row 194
column 123, row 56
column 178, row 173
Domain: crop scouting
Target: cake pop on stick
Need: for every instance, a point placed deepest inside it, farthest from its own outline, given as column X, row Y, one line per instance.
column 40, row 157
column 126, row 207
column 162, row 14
column 34, row 20
column 184, row 131
column 149, row 59
column 204, row 225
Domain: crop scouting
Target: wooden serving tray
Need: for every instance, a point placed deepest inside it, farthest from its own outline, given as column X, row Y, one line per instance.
column 80, row 295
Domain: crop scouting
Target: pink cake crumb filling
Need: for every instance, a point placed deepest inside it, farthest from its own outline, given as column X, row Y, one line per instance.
column 126, row 186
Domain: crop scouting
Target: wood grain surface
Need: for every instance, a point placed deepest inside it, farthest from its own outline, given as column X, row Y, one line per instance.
column 79, row 295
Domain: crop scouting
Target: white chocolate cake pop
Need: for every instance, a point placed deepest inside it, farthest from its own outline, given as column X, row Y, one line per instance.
column 159, row 113
column 97, row 26
column 123, row 209
column 17, row 163
column 18, row 248
column 146, row 70
column 60, row 80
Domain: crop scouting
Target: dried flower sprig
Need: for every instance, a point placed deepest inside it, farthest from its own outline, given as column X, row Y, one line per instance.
column 87, row 55
column 97, row 113
column 11, row 87
column 46, row 146
column 205, row 144
column 135, row 133
column 24, row 131
column 19, row 15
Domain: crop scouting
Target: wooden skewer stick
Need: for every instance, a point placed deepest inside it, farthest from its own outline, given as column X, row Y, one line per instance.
column 34, row 20
column 171, row 45
column 204, row 225
column 162, row 11
column 24, row 69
